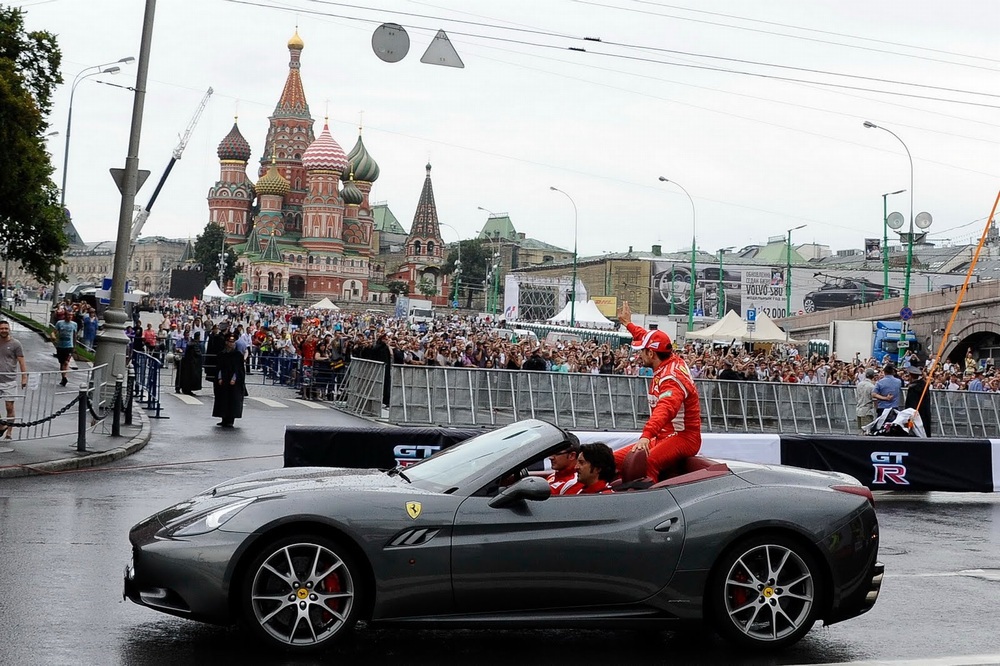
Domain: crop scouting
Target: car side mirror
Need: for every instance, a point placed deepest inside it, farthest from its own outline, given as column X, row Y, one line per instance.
column 532, row 488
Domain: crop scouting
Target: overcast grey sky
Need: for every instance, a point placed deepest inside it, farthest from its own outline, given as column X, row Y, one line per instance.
column 758, row 155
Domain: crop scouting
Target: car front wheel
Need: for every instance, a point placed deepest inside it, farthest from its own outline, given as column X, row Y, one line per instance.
column 808, row 306
column 766, row 592
column 301, row 593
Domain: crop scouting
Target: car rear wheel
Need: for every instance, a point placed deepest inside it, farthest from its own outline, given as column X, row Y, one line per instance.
column 808, row 306
column 766, row 592
column 301, row 593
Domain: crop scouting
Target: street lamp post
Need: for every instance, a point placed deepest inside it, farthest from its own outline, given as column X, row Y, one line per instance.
column 722, row 289
column 497, row 246
column 885, row 243
column 788, row 270
column 572, row 303
column 85, row 73
column 909, row 250
column 694, row 249
column 457, row 273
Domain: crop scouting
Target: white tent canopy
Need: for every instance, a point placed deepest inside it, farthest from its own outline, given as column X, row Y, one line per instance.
column 325, row 304
column 586, row 315
column 732, row 327
column 212, row 291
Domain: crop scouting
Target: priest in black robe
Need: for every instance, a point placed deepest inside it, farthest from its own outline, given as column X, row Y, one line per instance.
column 230, row 384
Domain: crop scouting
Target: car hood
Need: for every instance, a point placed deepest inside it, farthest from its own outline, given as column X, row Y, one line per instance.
column 289, row 480
column 271, row 483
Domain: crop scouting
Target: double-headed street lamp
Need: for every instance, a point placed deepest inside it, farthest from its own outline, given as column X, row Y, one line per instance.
column 495, row 265
column 86, row 73
column 788, row 270
column 909, row 251
column 457, row 273
column 885, row 242
column 722, row 289
column 694, row 249
column 572, row 303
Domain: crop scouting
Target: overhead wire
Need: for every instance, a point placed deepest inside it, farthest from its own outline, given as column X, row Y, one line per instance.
column 633, row 58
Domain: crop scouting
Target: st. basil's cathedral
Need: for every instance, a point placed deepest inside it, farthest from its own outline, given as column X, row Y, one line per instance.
column 306, row 230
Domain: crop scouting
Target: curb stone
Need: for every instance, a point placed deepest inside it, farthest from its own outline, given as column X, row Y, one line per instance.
column 94, row 459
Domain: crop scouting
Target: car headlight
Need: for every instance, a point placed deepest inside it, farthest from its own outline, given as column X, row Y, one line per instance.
column 207, row 522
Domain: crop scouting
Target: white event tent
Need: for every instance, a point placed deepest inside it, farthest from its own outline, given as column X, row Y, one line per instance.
column 325, row 304
column 586, row 315
column 212, row 291
column 732, row 327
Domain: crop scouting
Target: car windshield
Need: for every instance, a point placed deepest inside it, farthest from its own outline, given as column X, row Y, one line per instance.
column 447, row 469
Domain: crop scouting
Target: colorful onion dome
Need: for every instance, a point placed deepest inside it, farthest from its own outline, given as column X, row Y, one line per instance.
column 352, row 194
column 325, row 153
column 272, row 182
column 296, row 42
column 234, row 146
column 365, row 168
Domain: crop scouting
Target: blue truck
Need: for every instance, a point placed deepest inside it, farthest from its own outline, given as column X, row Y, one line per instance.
column 871, row 339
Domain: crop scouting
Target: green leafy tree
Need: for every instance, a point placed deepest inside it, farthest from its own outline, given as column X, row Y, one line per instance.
column 31, row 220
column 207, row 248
column 398, row 288
column 427, row 287
column 475, row 264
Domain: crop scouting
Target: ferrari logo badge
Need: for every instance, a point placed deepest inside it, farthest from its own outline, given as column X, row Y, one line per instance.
column 413, row 508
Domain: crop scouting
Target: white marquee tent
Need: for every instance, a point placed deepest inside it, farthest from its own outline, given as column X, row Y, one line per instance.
column 732, row 327
column 325, row 304
column 587, row 315
column 212, row 291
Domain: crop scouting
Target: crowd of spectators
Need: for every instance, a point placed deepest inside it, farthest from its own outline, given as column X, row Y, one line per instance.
column 331, row 338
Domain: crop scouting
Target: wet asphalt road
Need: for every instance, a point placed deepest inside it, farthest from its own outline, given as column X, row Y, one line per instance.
column 63, row 547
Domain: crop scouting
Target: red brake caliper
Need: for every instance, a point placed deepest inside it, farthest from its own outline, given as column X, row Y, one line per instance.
column 740, row 594
column 331, row 585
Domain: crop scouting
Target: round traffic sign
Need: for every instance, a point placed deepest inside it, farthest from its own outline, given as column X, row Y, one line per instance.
column 906, row 314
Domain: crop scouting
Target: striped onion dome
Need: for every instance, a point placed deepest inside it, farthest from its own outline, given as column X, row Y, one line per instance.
column 365, row 168
column 234, row 146
column 272, row 182
column 325, row 153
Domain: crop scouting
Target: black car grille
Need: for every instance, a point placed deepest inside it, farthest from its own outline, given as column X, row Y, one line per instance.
column 414, row 537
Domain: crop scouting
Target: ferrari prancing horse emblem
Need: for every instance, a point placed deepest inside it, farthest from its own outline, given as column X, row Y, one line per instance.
column 413, row 508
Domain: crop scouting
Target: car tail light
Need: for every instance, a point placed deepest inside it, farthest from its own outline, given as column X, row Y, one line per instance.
column 857, row 490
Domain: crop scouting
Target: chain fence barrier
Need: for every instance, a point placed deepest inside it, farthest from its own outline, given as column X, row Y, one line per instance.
column 433, row 395
column 41, row 408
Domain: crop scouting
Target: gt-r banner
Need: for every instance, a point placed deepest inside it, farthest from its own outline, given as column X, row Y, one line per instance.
column 897, row 463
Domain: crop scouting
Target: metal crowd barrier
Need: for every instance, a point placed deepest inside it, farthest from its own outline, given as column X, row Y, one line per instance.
column 45, row 407
column 146, row 381
column 363, row 387
column 478, row 397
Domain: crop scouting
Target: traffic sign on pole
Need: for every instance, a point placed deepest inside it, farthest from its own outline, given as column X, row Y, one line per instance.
column 751, row 314
column 906, row 314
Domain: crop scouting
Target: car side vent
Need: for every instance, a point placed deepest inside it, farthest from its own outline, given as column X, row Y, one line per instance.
column 416, row 537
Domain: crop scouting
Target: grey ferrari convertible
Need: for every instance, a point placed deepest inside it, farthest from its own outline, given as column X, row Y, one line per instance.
column 471, row 537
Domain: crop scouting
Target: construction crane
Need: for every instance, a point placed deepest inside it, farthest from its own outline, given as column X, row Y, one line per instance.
column 143, row 214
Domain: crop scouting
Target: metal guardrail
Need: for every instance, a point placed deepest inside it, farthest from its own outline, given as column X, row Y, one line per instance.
column 478, row 397
column 45, row 397
column 146, row 381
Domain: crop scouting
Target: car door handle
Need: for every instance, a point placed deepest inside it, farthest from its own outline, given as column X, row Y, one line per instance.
column 666, row 525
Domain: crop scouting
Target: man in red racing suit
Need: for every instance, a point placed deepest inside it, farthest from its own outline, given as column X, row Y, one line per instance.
column 673, row 431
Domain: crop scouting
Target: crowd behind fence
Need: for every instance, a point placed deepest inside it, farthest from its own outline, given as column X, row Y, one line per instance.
column 479, row 397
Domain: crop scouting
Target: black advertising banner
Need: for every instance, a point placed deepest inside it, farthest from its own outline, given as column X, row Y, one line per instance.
column 369, row 446
column 897, row 463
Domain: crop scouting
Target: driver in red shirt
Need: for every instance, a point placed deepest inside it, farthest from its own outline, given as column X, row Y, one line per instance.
column 563, row 464
column 595, row 467
column 673, row 431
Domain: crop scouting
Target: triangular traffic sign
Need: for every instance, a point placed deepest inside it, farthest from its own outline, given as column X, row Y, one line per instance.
column 441, row 52
column 118, row 175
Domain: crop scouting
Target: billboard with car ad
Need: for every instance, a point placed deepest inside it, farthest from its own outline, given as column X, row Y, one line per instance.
column 740, row 286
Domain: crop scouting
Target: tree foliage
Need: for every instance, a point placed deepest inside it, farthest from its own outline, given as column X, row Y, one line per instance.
column 207, row 248
column 475, row 265
column 428, row 287
column 31, row 220
column 398, row 288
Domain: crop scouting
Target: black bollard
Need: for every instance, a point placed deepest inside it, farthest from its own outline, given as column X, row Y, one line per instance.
column 81, row 434
column 128, row 396
column 116, row 414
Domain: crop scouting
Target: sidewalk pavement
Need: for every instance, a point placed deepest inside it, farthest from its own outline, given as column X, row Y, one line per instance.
column 53, row 455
